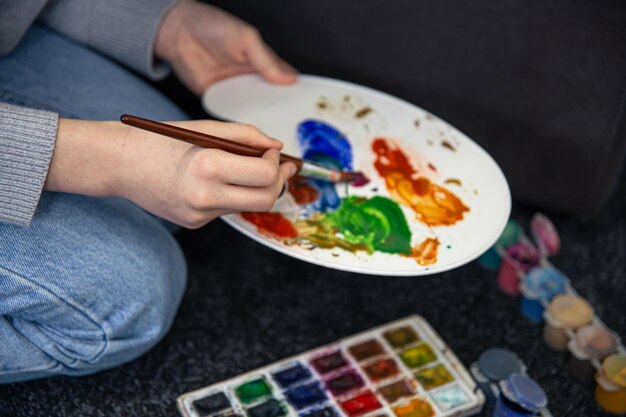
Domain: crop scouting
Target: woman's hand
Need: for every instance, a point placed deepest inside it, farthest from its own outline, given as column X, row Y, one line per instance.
column 182, row 183
column 205, row 44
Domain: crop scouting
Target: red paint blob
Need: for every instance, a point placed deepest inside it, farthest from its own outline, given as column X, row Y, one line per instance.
column 303, row 192
column 272, row 224
column 361, row 404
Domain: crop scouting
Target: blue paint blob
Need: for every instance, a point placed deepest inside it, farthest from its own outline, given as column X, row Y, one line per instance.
column 306, row 395
column 322, row 143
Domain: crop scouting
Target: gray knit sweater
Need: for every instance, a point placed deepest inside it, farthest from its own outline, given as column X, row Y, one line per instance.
column 122, row 29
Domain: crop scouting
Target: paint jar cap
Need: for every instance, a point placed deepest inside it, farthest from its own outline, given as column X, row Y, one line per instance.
column 497, row 364
column 523, row 255
column 511, row 234
column 595, row 341
column 543, row 283
column 614, row 369
column 545, row 234
column 525, row 392
column 569, row 311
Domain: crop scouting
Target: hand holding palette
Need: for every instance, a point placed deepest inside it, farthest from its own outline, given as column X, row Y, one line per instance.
column 402, row 369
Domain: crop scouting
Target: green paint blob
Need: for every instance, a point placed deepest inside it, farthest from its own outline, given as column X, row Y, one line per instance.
column 253, row 390
column 377, row 223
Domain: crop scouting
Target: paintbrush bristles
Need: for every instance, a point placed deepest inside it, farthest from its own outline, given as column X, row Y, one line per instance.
column 357, row 179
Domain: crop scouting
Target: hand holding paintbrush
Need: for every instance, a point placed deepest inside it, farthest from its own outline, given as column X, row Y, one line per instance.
column 305, row 168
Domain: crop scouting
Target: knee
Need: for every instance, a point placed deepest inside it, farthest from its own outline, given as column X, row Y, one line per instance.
column 144, row 289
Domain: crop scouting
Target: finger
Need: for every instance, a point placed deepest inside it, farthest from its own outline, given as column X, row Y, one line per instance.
column 242, row 133
column 265, row 60
column 240, row 198
column 242, row 170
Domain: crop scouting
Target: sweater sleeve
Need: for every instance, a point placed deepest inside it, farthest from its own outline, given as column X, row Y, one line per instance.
column 27, row 140
column 125, row 30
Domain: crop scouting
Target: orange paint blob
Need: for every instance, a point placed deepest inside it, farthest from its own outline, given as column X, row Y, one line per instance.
column 272, row 225
column 433, row 204
column 303, row 192
column 426, row 252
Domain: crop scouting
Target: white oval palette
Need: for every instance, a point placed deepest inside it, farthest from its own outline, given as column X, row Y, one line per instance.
column 456, row 168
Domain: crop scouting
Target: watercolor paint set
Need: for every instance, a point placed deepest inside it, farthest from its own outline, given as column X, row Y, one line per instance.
column 401, row 369
column 569, row 320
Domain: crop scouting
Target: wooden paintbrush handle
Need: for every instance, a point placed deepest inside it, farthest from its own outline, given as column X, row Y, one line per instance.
column 202, row 139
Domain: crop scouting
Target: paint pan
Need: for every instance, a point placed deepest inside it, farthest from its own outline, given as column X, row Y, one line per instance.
column 518, row 258
column 566, row 312
column 611, row 384
column 539, row 286
column 593, row 342
column 402, row 369
column 511, row 234
column 520, row 396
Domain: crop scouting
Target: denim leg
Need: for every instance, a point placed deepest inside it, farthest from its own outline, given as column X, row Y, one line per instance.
column 94, row 282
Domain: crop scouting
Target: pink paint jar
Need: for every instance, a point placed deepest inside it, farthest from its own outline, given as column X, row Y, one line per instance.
column 591, row 342
column 518, row 259
column 565, row 312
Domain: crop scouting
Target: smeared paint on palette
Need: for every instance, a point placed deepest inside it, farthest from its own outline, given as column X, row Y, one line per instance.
column 400, row 369
column 357, row 223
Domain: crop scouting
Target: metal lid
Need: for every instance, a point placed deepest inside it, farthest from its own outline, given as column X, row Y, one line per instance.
column 497, row 363
column 525, row 392
column 543, row 283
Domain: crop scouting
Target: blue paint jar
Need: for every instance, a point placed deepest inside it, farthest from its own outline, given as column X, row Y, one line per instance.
column 540, row 284
column 491, row 260
column 493, row 366
column 520, row 396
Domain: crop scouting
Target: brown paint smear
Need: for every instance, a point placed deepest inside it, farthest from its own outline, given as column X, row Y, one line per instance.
column 433, row 204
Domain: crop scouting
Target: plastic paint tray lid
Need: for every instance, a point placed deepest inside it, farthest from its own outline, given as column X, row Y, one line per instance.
column 569, row 311
column 524, row 391
column 543, row 283
column 593, row 341
column 497, row 364
column 614, row 369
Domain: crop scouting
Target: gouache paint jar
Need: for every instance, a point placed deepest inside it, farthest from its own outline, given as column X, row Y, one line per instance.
column 591, row 342
column 518, row 258
column 565, row 312
column 611, row 384
column 539, row 286
column 491, row 260
column 520, row 396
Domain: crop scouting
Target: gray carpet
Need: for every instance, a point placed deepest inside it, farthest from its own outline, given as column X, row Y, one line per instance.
column 247, row 306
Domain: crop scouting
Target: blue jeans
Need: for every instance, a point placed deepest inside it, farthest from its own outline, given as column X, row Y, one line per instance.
column 94, row 282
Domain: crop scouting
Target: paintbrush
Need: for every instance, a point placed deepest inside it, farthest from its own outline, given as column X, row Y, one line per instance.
column 305, row 168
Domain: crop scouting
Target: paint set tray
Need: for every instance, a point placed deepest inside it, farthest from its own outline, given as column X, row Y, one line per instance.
column 400, row 369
